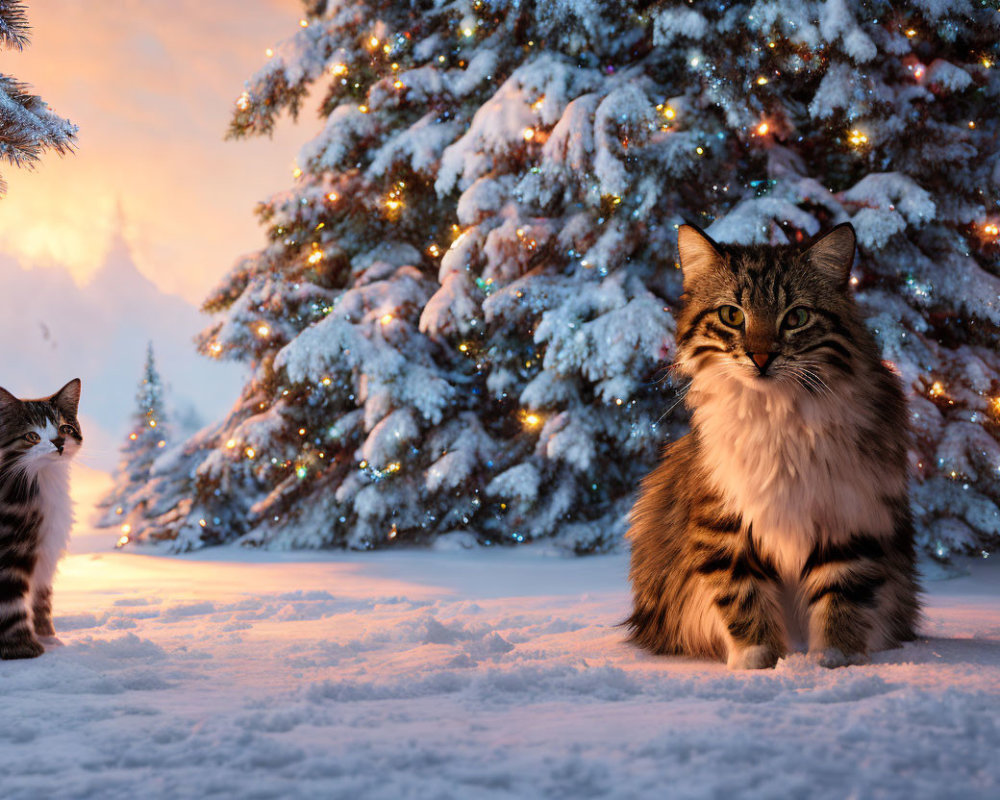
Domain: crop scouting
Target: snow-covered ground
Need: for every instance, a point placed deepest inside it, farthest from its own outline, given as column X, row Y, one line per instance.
column 485, row 674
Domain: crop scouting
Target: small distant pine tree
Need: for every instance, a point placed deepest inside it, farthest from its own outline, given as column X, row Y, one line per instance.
column 146, row 440
column 27, row 126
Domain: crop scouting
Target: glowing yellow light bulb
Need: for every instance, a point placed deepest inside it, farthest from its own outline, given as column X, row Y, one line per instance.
column 530, row 419
column 857, row 138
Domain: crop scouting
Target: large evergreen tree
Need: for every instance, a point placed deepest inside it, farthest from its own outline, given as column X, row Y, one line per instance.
column 462, row 315
column 147, row 438
column 27, row 126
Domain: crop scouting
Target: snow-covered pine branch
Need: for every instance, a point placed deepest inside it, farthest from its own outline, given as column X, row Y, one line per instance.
column 27, row 126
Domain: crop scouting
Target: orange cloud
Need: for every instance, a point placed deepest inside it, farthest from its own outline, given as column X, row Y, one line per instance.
column 151, row 85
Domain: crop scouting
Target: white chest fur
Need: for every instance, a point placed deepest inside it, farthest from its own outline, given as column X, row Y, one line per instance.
column 57, row 520
column 789, row 463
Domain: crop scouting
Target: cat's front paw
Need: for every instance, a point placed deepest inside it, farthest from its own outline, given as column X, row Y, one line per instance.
column 21, row 647
column 756, row 657
column 833, row 657
column 44, row 627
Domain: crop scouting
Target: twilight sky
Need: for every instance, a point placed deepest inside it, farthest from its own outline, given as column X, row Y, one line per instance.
column 151, row 84
column 83, row 286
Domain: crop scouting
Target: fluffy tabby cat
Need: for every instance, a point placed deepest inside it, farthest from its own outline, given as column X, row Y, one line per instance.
column 37, row 440
column 782, row 518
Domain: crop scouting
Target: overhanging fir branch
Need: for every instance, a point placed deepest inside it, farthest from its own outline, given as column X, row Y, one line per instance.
column 13, row 24
column 27, row 125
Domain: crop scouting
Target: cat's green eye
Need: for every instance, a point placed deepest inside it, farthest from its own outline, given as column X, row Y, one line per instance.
column 32, row 437
column 731, row 315
column 795, row 318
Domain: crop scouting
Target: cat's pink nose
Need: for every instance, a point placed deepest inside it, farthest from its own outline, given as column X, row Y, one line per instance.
column 762, row 360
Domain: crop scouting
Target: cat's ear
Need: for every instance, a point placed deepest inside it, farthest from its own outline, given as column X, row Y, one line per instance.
column 67, row 399
column 698, row 253
column 7, row 401
column 833, row 253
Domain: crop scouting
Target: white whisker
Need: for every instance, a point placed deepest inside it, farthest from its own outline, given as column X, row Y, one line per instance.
column 681, row 395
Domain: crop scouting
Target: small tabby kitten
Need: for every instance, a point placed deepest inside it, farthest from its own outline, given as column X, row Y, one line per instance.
column 782, row 518
column 37, row 440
